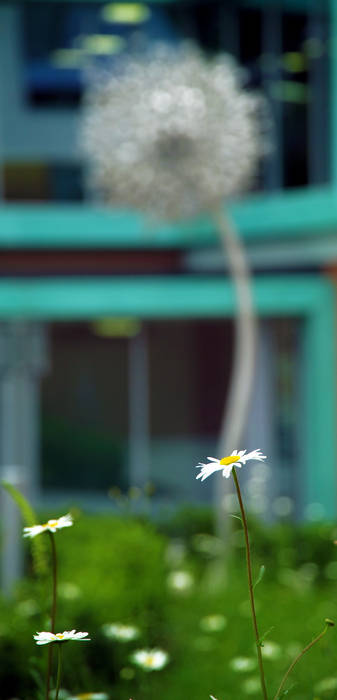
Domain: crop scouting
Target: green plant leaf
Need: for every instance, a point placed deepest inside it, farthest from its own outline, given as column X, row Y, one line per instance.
column 237, row 517
column 261, row 640
column 260, row 576
column 29, row 517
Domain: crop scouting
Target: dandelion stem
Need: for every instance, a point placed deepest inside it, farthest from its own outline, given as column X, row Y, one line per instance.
column 244, row 360
column 328, row 623
column 251, row 587
column 53, row 609
column 59, row 666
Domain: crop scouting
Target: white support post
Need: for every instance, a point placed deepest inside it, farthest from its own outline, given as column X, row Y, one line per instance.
column 22, row 362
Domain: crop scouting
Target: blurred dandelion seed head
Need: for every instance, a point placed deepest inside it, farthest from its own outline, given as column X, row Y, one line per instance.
column 172, row 133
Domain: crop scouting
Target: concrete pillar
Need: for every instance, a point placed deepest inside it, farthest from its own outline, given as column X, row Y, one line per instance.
column 23, row 359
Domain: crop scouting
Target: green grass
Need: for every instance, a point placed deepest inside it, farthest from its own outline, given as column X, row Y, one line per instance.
column 118, row 569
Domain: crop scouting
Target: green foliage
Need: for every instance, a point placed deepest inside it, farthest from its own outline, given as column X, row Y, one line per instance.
column 119, row 569
column 29, row 518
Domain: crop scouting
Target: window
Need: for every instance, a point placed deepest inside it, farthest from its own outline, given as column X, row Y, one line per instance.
column 285, row 54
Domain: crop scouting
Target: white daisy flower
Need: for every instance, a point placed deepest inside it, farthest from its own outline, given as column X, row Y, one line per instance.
column 49, row 637
column 271, row 650
column 51, row 525
column 180, row 580
column 242, row 664
column 150, row 659
column 122, row 633
column 226, row 464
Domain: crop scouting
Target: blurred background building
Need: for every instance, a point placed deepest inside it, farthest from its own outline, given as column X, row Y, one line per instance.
column 116, row 333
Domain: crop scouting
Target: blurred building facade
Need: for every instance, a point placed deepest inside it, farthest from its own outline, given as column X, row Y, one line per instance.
column 116, row 334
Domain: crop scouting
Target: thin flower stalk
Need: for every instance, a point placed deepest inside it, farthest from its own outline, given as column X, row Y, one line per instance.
column 250, row 586
column 328, row 623
column 53, row 609
column 59, row 667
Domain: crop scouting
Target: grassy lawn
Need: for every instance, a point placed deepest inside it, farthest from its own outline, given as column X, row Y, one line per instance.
column 187, row 596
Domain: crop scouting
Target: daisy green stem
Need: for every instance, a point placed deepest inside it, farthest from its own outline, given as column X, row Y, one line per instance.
column 251, row 587
column 59, row 666
column 54, row 595
column 53, row 609
column 328, row 623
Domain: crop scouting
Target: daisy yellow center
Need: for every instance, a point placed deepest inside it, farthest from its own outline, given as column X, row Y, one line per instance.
column 50, row 523
column 59, row 635
column 149, row 661
column 229, row 460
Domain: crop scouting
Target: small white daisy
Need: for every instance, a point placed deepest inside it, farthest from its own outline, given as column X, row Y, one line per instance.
column 180, row 581
column 236, row 459
column 150, row 659
column 49, row 637
column 122, row 633
column 51, row 525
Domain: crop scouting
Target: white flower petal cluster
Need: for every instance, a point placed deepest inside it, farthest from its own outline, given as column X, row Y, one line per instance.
column 236, row 459
column 51, row 525
column 120, row 632
column 150, row 659
column 172, row 133
column 181, row 581
column 72, row 635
